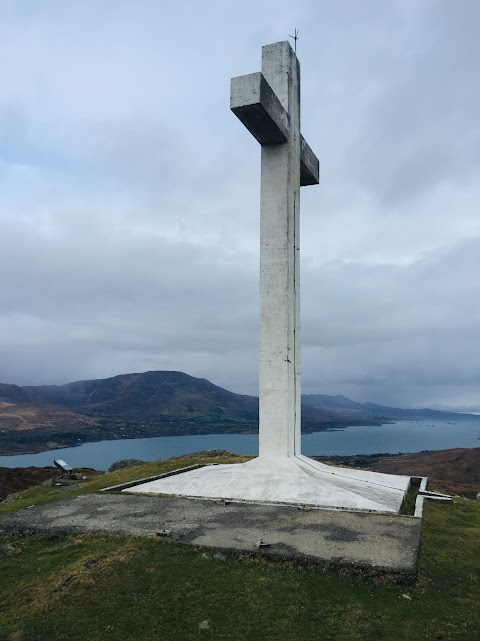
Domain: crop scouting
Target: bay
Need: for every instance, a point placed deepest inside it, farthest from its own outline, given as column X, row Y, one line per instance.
column 402, row 436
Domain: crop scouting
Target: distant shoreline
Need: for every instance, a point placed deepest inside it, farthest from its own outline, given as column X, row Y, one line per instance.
column 37, row 441
column 405, row 435
column 49, row 441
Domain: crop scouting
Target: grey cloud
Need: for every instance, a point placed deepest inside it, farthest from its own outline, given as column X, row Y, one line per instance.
column 418, row 130
column 129, row 195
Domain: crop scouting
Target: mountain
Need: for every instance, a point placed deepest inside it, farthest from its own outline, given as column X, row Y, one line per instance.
column 341, row 406
column 162, row 395
column 13, row 394
column 35, row 418
column 147, row 395
column 158, row 403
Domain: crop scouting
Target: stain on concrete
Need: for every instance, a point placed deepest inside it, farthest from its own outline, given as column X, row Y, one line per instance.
column 343, row 534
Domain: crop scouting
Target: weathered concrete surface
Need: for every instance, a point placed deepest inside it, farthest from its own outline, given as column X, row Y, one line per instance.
column 367, row 543
column 296, row 480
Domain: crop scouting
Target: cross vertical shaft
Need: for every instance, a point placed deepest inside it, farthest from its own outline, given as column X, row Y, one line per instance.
column 280, row 418
column 268, row 104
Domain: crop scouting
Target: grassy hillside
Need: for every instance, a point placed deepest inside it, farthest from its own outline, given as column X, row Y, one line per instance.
column 144, row 589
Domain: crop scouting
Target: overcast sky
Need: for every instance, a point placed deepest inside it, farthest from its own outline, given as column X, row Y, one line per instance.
column 129, row 193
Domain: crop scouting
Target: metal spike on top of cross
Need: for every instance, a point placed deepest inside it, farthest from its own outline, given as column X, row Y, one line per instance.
column 268, row 104
column 295, row 38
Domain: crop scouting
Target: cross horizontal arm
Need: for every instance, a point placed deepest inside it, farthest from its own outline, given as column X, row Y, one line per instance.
column 253, row 101
column 309, row 165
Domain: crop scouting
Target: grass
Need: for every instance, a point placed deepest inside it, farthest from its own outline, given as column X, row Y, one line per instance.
column 132, row 589
column 408, row 507
column 97, row 588
column 39, row 495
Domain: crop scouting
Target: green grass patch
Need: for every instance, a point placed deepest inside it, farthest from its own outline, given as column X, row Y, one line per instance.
column 408, row 505
column 142, row 589
column 39, row 495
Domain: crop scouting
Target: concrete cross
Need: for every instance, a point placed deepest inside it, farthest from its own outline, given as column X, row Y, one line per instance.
column 268, row 104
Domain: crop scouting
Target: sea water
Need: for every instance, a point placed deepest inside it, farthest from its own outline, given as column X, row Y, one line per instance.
column 401, row 436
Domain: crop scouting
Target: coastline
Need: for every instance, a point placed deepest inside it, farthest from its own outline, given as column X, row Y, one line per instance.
column 17, row 443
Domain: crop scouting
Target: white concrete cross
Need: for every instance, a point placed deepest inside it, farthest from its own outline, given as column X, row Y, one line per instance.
column 268, row 104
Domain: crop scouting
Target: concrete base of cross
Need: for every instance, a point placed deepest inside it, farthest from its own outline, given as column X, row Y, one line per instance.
column 296, row 480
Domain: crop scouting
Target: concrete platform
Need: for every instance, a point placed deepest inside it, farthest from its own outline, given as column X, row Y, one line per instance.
column 295, row 480
column 370, row 544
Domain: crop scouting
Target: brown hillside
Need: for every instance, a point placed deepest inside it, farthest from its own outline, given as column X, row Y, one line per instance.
column 460, row 465
column 456, row 470
column 15, row 479
column 34, row 428
column 29, row 417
